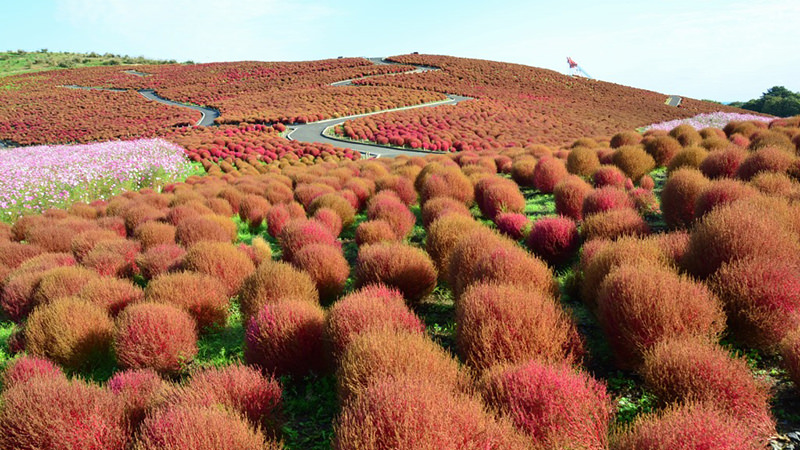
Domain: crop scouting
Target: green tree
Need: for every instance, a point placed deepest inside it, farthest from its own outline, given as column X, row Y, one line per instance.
column 777, row 101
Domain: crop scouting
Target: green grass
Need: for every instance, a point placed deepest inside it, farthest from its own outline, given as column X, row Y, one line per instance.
column 310, row 406
column 20, row 61
column 222, row 346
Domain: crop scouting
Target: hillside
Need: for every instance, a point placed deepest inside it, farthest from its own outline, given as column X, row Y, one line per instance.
column 21, row 61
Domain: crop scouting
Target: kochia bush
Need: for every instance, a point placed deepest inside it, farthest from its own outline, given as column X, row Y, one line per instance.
column 679, row 196
column 569, row 195
column 273, row 282
column 325, row 265
column 200, row 295
column 554, row 239
column 397, row 265
column 222, row 261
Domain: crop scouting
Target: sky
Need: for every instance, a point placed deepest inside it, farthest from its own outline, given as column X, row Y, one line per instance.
column 723, row 50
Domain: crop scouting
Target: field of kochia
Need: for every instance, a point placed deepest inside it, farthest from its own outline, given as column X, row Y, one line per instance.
column 545, row 278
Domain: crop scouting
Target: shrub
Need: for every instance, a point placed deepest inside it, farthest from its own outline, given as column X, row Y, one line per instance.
column 582, row 161
column 373, row 307
column 548, row 172
column 273, row 282
column 513, row 225
column 443, row 235
column 496, row 195
column 374, row 355
column 647, row 182
column 56, row 236
column 111, row 294
column 614, row 224
column 760, row 294
column 775, row 184
column 606, row 199
column 501, row 323
column 662, row 148
column 198, row 294
column 441, row 206
column 569, row 195
column 673, row 245
column 694, row 370
column 71, row 332
column 50, row 414
column 767, row 159
column 17, row 296
column 723, row 163
column 373, row 232
column 301, row 232
column 639, row 306
column 412, row 414
column 83, row 243
column 205, row 228
column 691, row 157
column 326, row 266
column 790, row 350
column 62, row 282
column 138, row 214
column 645, row 201
column 151, row 234
column 338, row 204
column 633, row 161
column 157, row 336
column 522, row 171
column 182, row 427
column 556, row 405
column 40, row 263
column 397, row 265
column 277, row 217
column 140, row 390
column 444, row 182
column 390, row 209
column 625, row 138
column 26, row 368
column 12, row 254
column 330, row 219
column 720, row 192
column 686, row 134
column 253, row 210
column 679, row 196
column 160, row 259
column 222, row 261
column 402, row 186
column 286, row 338
column 240, row 389
column 689, row 426
column 735, row 231
column 114, row 258
column 554, row 239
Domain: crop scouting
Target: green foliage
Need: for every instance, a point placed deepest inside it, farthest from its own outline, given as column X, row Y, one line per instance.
column 777, row 101
column 21, row 61
column 223, row 346
column 309, row 406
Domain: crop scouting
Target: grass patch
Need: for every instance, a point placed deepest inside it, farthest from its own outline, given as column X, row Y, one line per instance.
column 20, row 61
column 310, row 406
column 222, row 346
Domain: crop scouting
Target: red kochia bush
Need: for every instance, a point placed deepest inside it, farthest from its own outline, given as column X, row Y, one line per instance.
column 273, row 282
column 253, row 209
column 330, row 219
column 605, row 199
column 554, row 239
column 51, row 414
column 374, row 231
column 239, row 388
column 639, row 306
column 679, row 196
column 198, row 294
column 403, row 413
column 205, row 228
column 499, row 323
column 691, row 426
column 723, row 163
column 222, row 261
column 84, row 242
column 614, row 224
column 767, row 159
column 160, row 259
column 441, row 206
column 373, row 307
column 17, row 295
column 721, row 192
column 151, row 234
column 158, row 336
column 386, row 206
column 402, row 186
column 336, row 202
column 26, row 368
column 513, row 225
column 496, row 195
column 548, row 172
column 111, row 294
column 761, row 294
column 609, row 176
column 688, row 369
column 299, row 233
column 790, row 350
column 556, row 405
column 444, row 182
column 286, row 338
column 326, row 266
column 12, row 254
column 569, row 195
column 397, row 265
column 201, row 428
column 114, row 258
column 71, row 332
column 140, row 391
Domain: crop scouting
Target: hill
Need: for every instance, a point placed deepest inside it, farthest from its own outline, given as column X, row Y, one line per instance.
column 21, row 61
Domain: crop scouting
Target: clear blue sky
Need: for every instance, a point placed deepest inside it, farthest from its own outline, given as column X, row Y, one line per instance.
column 723, row 50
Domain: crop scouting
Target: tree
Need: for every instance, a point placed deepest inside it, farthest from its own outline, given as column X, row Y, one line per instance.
column 777, row 101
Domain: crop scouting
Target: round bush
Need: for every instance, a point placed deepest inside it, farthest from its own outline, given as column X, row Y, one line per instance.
column 373, row 307
column 513, row 225
column 253, row 209
column 680, row 195
column 222, row 261
column 625, row 138
column 205, row 228
column 790, row 350
column 40, row 263
column 12, row 254
column 374, row 231
column 647, row 182
column 614, row 224
column 301, row 232
column 157, row 336
column 720, row 192
column 556, row 405
column 522, row 171
column 554, row 239
column 84, row 242
column 402, row 186
column 723, row 163
column 690, row 158
column 686, row 134
column 140, row 391
column 277, row 217
column 609, row 176
column 49, row 414
column 691, row 369
column 767, row 159
column 582, row 161
column 441, row 206
column 397, row 265
column 439, row 181
column 72, row 332
column 198, row 294
column 160, row 259
column 639, row 306
column 151, row 234
column 114, row 258
column 274, row 282
column 330, row 219
column 26, row 368
column 775, row 184
column 662, row 149
column 633, row 161
column 548, row 172
column 111, row 294
column 286, row 338
column 390, row 209
column 326, row 266
column 569, row 195
column 443, row 235
column 606, row 199
column 501, row 323
column 496, row 195
column 337, row 203
column 17, row 295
